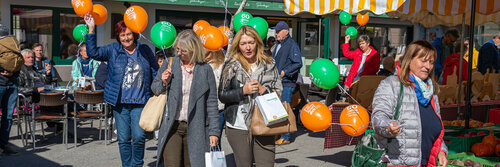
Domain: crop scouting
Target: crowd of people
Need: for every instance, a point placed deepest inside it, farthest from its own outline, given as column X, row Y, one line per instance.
column 209, row 93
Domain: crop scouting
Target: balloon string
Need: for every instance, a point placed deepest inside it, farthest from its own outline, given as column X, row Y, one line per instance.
column 355, row 130
column 344, row 91
column 142, row 36
column 163, row 50
column 225, row 7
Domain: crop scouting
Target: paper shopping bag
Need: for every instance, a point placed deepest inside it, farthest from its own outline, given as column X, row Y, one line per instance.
column 271, row 108
column 215, row 159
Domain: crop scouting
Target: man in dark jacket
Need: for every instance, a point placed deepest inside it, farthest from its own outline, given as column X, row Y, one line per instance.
column 31, row 83
column 389, row 67
column 444, row 48
column 488, row 56
column 8, row 96
column 288, row 59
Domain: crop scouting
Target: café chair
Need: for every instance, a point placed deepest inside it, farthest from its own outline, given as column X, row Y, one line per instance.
column 90, row 98
column 51, row 99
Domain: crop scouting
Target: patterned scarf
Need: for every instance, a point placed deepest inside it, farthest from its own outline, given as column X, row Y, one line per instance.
column 423, row 89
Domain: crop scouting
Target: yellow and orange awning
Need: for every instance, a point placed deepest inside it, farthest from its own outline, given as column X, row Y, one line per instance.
column 322, row 7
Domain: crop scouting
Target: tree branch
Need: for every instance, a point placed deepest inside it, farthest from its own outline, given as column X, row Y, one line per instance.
column 231, row 28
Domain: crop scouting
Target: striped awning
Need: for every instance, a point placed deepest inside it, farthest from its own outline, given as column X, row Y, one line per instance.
column 322, row 7
column 448, row 7
column 430, row 13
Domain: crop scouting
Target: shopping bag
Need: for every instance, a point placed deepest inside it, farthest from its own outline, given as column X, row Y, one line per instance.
column 215, row 158
column 271, row 108
column 259, row 128
column 152, row 113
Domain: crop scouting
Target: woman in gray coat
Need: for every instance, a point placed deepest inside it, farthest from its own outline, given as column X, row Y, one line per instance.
column 416, row 137
column 190, row 124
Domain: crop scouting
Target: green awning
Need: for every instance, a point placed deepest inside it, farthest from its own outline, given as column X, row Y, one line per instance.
column 251, row 4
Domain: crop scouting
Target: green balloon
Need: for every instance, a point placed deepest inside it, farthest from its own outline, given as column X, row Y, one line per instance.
column 345, row 18
column 79, row 32
column 351, row 31
column 324, row 73
column 163, row 34
column 241, row 19
column 259, row 24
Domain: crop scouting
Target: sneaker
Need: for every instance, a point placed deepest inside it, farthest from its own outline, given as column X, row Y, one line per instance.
column 9, row 151
column 281, row 142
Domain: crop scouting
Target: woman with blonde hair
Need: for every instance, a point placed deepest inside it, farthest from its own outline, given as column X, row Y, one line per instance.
column 247, row 74
column 410, row 129
column 190, row 123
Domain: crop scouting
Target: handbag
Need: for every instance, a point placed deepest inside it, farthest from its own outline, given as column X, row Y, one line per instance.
column 215, row 158
column 259, row 128
column 152, row 113
column 366, row 153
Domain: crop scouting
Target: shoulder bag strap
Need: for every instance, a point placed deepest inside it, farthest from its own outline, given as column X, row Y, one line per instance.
column 400, row 100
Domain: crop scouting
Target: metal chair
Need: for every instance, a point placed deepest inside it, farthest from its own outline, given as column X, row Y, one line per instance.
column 90, row 98
column 50, row 100
column 22, row 115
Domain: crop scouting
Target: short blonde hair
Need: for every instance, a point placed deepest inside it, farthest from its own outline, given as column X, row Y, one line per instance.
column 416, row 49
column 236, row 52
column 191, row 42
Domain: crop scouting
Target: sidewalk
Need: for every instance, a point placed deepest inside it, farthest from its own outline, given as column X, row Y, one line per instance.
column 306, row 150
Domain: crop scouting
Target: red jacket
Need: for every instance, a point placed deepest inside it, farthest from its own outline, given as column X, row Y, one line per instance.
column 371, row 66
column 451, row 61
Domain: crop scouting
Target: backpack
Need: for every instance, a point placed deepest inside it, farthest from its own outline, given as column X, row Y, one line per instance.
column 10, row 57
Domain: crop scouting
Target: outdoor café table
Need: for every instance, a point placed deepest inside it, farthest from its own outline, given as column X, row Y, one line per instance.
column 334, row 135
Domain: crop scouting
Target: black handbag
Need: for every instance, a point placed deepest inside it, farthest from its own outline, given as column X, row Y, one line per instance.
column 366, row 153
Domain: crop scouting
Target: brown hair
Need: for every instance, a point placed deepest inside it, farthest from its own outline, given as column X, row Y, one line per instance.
column 416, row 49
column 236, row 52
column 121, row 27
column 217, row 58
column 363, row 38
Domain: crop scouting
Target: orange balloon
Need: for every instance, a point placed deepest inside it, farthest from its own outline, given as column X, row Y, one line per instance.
column 82, row 7
column 100, row 14
column 362, row 19
column 354, row 120
column 211, row 38
column 225, row 31
column 136, row 19
column 199, row 26
column 316, row 116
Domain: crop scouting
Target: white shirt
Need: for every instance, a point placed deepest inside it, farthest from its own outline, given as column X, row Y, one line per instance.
column 239, row 123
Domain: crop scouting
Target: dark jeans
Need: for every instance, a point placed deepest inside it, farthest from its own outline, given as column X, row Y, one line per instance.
column 287, row 96
column 8, row 99
column 222, row 122
column 131, row 137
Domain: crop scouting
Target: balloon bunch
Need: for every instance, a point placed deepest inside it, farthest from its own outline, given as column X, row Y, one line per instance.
column 82, row 8
column 246, row 19
column 345, row 18
column 212, row 38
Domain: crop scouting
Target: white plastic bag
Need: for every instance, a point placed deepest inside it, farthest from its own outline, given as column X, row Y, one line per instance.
column 215, row 158
column 271, row 108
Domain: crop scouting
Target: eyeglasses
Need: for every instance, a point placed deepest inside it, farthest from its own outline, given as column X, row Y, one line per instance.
column 181, row 50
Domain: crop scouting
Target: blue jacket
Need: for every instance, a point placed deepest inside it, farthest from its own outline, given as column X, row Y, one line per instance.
column 488, row 57
column 117, row 59
column 438, row 65
column 289, row 60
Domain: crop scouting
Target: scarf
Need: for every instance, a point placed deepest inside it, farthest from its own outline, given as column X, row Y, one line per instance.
column 266, row 74
column 423, row 89
column 85, row 67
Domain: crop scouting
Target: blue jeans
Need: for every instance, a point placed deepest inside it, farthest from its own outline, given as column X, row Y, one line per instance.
column 287, row 96
column 222, row 122
column 127, row 121
column 8, row 100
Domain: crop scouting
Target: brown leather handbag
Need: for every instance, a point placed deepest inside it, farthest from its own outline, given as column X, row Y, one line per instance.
column 259, row 127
